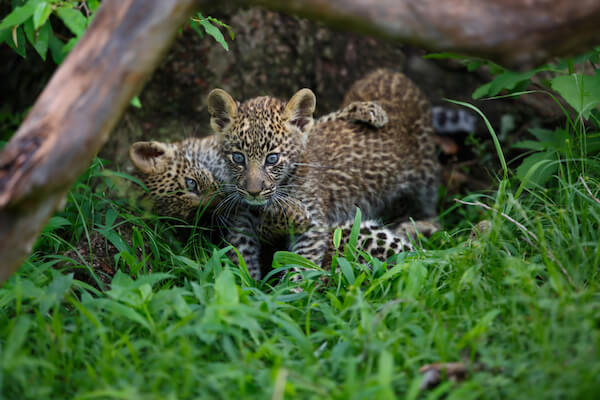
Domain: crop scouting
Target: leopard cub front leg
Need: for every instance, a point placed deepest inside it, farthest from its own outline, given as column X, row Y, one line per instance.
column 290, row 218
column 246, row 240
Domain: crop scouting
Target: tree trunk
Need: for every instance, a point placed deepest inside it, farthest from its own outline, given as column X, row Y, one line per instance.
column 75, row 113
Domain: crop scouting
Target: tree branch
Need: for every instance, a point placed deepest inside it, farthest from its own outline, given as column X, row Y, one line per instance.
column 75, row 113
column 515, row 33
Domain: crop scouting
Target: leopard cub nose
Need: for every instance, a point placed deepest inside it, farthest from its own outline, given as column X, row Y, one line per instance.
column 254, row 187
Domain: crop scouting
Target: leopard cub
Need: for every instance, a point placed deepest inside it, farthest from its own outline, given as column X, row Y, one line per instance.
column 276, row 154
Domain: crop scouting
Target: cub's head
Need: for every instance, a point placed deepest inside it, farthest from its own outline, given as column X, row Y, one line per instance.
column 177, row 182
column 261, row 139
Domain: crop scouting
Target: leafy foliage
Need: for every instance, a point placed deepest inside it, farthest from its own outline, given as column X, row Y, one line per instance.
column 580, row 90
column 209, row 25
column 32, row 17
column 30, row 21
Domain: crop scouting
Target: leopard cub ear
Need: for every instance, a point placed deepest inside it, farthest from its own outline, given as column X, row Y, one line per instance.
column 222, row 109
column 299, row 110
column 150, row 157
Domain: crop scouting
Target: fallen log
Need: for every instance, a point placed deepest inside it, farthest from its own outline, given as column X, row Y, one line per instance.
column 515, row 33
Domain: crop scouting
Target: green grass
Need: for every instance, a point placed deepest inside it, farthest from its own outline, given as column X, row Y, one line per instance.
column 521, row 304
column 195, row 326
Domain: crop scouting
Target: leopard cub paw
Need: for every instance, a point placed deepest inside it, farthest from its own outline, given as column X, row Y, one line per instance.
column 368, row 112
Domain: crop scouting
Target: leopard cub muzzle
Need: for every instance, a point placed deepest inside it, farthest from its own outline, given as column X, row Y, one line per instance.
column 256, row 186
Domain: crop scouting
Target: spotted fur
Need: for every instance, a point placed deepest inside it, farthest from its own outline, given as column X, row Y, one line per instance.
column 177, row 176
column 336, row 165
column 166, row 169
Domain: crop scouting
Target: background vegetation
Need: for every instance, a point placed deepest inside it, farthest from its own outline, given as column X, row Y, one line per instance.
column 117, row 303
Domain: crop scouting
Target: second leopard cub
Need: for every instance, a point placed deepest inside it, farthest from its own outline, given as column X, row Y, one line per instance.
column 275, row 156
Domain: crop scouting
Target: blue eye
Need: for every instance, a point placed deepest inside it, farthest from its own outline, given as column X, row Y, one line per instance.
column 272, row 159
column 191, row 185
column 238, row 158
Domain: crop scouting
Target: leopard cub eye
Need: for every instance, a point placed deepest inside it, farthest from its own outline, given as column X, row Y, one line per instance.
column 272, row 159
column 191, row 184
column 238, row 158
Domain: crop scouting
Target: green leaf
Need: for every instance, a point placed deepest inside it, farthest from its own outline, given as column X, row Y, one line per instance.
column 196, row 27
column 537, row 169
column 114, row 238
column 136, row 102
column 5, row 35
column 507, row 80
column 482, row 90
column 214, row 32
column 289, row 258
column 417, row 273
column 73, row 19
column 337, row 237
column 55, row 223
column 292, row 329
column 93, row 4
column 182, row 309
column 529, row 145
column 69, row 45
column 19, row 14
column 547, row 140
column 131, row 262
column 41, row 14
column 39, row 39
column 346, row 269
column 582, row 92
column 56, row 48
column 473, row 65
column 226, row 289
column 352, row 241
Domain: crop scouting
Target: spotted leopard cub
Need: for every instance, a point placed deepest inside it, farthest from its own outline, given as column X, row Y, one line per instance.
column 276, row 154
column 181, row 177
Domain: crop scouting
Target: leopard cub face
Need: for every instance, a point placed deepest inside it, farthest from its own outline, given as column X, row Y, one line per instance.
column 177, row 185
column 261, row 140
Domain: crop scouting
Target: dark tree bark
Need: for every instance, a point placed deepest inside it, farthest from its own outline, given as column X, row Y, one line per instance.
column 75, row 114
